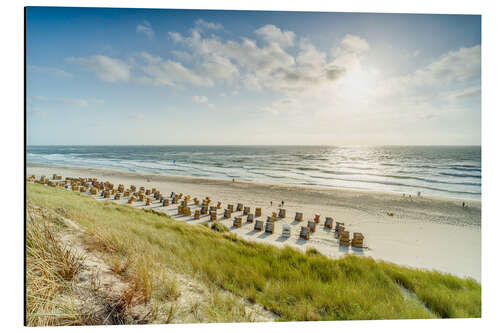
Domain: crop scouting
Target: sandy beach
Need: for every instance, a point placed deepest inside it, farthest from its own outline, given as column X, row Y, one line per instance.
column 424, row 232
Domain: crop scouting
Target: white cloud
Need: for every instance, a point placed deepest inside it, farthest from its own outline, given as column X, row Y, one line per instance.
column 416, row 53
column 355, row 44
column 272, row 34
column 50, row 70
column 208, row 25
column 219, row 67
column 106, row 68
column 199, row 99
column 146, row 29
column 79, row 102
column 452, row 67
column 159, row 71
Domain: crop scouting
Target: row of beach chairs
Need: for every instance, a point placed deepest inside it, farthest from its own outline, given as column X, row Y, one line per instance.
column 108, row 190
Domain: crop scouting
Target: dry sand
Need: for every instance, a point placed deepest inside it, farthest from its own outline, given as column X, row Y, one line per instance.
column 425, row 232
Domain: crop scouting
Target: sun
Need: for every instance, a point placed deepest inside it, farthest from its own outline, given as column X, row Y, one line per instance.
column 358, row 83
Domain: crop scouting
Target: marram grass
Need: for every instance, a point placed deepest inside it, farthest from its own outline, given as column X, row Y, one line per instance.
column 293, row 285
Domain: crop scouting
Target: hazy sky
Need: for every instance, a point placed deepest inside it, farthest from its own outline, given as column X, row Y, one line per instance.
column 118, row 76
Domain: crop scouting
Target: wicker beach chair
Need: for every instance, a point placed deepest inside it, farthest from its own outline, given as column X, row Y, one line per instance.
column 213, row 216
column 357, row 240
column 227, row 213
column 250, row 218
column 312, row 226
column 239, row 207
column 259, row 225
column 329, row 222
column 344, row 238
column 269, row 228
column 305, row 233
column 237, row 222
column 282, row 213
column 258, row 212
column 246, row 210
column 299, row 217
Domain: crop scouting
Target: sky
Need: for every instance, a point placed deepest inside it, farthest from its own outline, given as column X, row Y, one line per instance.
column 102, row 76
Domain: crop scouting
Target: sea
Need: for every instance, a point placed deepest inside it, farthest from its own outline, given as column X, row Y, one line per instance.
column 446, row 171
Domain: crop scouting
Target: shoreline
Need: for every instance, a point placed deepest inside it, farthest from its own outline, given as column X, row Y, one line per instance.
column 425, row 232
column 256, row 183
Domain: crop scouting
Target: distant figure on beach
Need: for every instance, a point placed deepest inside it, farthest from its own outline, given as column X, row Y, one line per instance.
column 271, row 203
column 233, row 180
column 282, row 203
column 463, row 204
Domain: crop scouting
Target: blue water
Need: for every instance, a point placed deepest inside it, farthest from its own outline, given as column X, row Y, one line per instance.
column 451, row 171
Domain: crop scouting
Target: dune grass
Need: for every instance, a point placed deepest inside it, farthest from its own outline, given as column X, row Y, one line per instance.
column 292, row 284
column 50, row 269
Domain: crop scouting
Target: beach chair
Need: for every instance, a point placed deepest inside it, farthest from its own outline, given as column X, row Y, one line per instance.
column 312, row 226
column 239, row 207
column 186, row 211
column 258, row 212
column 165, row 202
column 227, row 213
column 131, row 200
column 269, row 219
column 106, row 195
column 269, row 228
column 180, row 195
column 282, row 213
column 329, row 222
column 299, row 217
column 213, row 209
column 316, row 218
column 175, row 200
column 287, row 231
column 339, row 226
column 117, row 196
column 126, row 193
column 237, row 222
column 213, row 216
column 344, row 238
column 250, row 218
column 197, row 214
column 180, row 210
column 305, row 233
column 94, row 191
column 141, row 197
column 83, row 189
column 274, row 216
column 204, row 210
column 246, row 210
column 148, row 201
column 230, row 207
column 196, row 201
column 219, row 204
column 153, row 190
column 259, row 225
column 357, row 240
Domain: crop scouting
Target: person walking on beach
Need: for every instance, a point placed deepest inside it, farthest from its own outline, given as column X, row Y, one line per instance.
column 282, row 203
column 271, row 203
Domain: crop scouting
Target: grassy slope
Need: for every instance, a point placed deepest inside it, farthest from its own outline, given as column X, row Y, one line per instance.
column 294, row 285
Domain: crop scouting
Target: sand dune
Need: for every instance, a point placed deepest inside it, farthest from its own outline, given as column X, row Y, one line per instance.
column 425, row 232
